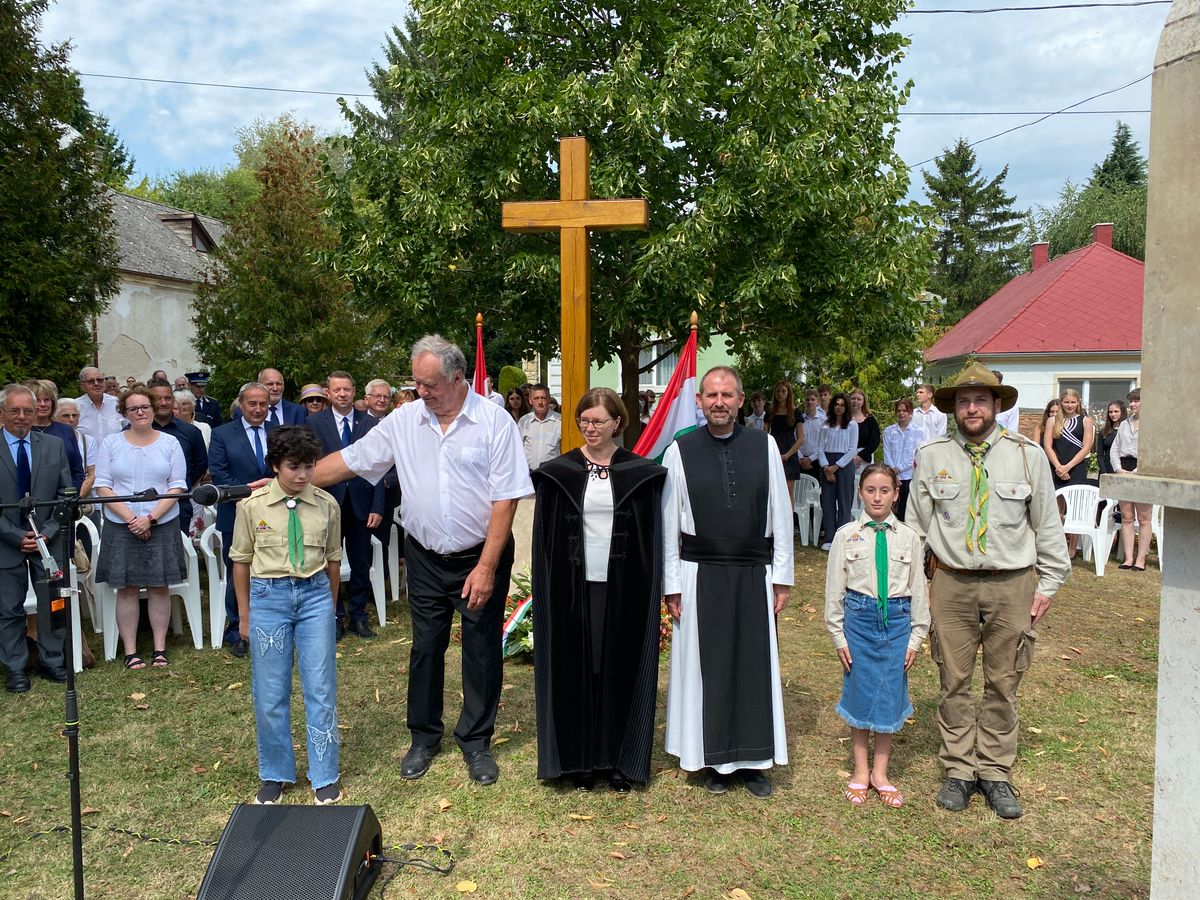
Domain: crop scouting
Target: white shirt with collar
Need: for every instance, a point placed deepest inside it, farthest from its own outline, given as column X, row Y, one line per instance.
column 542, row 438
column 99, row 423
column 448, row 481
column 262, row 434
column 932, row 422
column 338, row 418
column 1010, row 419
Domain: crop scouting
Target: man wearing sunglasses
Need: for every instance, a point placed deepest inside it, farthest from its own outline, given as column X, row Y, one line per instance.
column 98, row 416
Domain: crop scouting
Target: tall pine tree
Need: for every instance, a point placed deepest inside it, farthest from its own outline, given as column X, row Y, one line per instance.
column 976, row 245
column 1124, row 166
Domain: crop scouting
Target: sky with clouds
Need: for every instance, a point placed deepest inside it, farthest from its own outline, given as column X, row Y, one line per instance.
column 1027, row 62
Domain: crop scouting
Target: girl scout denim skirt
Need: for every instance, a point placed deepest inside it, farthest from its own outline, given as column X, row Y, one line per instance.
column 875, row 690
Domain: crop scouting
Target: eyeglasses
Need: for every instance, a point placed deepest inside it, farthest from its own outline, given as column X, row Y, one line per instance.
column 137, row 409
column 99, row 380
column 313, row 400
column 594, row 423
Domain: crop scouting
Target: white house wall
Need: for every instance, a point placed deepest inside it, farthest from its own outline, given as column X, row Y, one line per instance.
column 147, row 326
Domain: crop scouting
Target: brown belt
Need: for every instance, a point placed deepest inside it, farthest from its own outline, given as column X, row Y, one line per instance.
column 975, row 573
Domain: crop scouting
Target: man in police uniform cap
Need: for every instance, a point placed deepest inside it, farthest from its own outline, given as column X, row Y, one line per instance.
column 985, row 503
column 207, row 409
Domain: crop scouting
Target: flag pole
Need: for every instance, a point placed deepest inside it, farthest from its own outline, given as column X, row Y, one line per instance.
column 479, row 382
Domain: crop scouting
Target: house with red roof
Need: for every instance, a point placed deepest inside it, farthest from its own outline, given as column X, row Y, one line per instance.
column 1071, row 322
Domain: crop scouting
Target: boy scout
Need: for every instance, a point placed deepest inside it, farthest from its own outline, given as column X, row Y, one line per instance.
column 985, row 503
column 286, row 555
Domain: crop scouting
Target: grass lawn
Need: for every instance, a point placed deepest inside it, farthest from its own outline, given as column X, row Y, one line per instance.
column 173, row 764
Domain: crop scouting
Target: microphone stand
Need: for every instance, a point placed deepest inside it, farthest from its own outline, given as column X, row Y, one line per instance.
column 57, row 608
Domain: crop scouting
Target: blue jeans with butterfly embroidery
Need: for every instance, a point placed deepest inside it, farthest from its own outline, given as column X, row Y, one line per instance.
column 294, row 615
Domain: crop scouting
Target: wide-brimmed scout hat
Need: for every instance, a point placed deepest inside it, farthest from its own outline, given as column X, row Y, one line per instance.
column 974, row 374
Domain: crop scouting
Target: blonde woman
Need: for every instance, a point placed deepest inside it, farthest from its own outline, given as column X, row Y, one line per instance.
column 1124, row 458
column 1068, row 445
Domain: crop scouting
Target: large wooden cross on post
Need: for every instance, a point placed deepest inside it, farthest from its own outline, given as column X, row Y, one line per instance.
column 573, row 215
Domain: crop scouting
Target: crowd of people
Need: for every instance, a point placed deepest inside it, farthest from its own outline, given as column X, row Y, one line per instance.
column 954, row 530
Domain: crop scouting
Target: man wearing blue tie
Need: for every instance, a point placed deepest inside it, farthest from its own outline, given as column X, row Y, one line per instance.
column 361, row 502
column 237, row 455
column 280, row 412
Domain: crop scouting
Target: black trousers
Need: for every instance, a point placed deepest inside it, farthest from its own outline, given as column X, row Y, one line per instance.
column 14, row 582
column 435, row 583
column 354, row 599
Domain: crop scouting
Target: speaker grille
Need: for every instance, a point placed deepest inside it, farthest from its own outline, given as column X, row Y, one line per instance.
column 293, row 852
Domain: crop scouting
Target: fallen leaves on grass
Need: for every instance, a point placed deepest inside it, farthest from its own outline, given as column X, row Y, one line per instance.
column 198, row 770
column 1033, row 730
column 580, row 818
column 617, row 854
column 88, row 811
column 137, row 695
column 234, row 686
column 600, row 884
column 842, row 773
column 443, row 804
column 738, row 894
column 1034, row 862
column 466, row 887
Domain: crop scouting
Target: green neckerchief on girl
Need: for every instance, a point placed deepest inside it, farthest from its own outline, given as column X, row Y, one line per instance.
column 295, row 536
column 881, row 567
column 977, row 507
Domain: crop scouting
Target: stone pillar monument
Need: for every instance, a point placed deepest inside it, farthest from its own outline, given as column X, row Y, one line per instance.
column 1168, row 470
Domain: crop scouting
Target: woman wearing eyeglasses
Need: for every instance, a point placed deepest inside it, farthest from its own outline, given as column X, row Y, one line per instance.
column 141, row 546
column 597, row 588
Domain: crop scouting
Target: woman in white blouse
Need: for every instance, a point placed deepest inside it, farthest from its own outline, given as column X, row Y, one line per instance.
column 141, row 545
column 1124, row 458
column 839, row 446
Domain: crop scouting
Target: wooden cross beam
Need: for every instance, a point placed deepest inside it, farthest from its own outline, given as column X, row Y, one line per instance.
column 572, row 216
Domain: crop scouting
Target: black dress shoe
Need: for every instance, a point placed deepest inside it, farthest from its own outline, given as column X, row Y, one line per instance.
column 583, row 783
column 1001, row 797
column 715, row 782
column 416, row 761
column 17, row 682
column 239, row 648
column 362, row 629
column 756, row 783
column 619, row 783
column 482, row 767
column 50, row 673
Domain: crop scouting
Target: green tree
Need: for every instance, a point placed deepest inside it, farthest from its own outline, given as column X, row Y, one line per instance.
column 762, row 136
column 272, row 302
column 976, row 244
column 58, row 249
column 1124, row 166
column 115, row 161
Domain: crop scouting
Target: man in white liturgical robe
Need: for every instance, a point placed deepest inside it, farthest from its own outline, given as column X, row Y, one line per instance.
column 727, row 572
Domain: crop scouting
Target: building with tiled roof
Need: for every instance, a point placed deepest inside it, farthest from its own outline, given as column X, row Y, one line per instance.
column 164, row 257
column 1071, row 322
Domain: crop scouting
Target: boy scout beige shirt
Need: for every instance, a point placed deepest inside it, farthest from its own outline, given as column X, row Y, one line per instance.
column 852, row 568
column 260, row 532
column 1023, row 525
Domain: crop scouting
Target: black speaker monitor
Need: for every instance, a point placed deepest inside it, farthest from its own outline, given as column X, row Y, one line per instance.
column 285, row 852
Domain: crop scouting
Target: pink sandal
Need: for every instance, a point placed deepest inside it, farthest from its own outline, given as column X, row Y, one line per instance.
column 888, row 793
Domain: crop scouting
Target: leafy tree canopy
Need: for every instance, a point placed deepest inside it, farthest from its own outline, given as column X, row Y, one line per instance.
column 115, row 161
column 762, row 136
column 272, row 302
column 976, row 245
column 58, row 250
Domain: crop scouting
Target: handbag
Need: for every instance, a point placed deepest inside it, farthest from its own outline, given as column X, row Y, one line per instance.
column 1128, row 463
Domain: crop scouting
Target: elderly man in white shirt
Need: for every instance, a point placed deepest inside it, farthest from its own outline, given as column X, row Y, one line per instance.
column 461, row 471
column 98, row 415
column 541, row 429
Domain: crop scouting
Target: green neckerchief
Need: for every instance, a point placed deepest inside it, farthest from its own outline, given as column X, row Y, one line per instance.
column 977, row 508
column 881, row 567
column 295, row 536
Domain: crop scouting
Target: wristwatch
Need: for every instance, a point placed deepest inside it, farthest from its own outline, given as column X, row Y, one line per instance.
column 153, row 521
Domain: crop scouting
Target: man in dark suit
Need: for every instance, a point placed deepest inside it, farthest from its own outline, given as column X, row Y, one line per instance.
column 189, row 437
column 34, row 464
column 378, row 394
column 361, row 502
column 282, row 412
column 237, row 455
column 207, row 409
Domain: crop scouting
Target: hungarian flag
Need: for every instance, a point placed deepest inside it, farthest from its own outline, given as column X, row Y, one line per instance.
column 675, row 414
column 480, row 383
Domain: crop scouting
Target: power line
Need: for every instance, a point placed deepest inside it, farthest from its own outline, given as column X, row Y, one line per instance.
column 996, row 112
column 236, row 87
column 1001, row 9
column 1059, row 112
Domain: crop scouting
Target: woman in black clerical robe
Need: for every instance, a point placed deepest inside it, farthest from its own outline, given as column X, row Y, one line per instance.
column 597, row 593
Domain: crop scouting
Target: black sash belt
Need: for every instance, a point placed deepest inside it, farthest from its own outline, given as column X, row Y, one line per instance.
column 727, row 552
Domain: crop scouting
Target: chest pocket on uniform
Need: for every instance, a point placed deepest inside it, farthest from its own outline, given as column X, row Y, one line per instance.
column 1007, row 506
column 948, row 506
column 314, row 537
column 860, row 559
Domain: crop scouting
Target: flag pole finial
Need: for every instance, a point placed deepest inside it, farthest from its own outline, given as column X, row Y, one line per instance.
column 695, row 320
column 478, row 320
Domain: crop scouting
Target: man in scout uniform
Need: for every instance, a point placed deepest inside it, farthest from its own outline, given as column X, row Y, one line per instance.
column 985, row 503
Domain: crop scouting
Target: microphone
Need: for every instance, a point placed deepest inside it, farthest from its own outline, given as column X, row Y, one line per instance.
column 212, row 494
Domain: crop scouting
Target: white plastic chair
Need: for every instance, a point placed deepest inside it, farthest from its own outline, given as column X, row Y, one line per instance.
column 398, row 580
column 188, row 591
column 1082, row 502
column 806, row 504
column 1156, row 525
column 88, row 585
column 214, row 566
column 76, row 624
column 377, row 590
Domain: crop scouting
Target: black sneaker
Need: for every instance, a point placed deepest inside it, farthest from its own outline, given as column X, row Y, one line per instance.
column 328, row 795
column 269, row 793
column 956, row 794
column 756, row 783
column 715, row 782
column 1001, row 797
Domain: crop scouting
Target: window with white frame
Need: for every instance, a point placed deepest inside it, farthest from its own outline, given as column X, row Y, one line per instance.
column 660, row 373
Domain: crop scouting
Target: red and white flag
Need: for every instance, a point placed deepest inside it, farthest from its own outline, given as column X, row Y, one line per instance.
column 675, row 413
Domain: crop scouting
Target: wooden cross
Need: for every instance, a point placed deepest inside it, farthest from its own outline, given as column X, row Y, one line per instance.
column 572, row 215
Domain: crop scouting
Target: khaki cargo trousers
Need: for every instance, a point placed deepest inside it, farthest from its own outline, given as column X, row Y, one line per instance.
column 967, row 611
